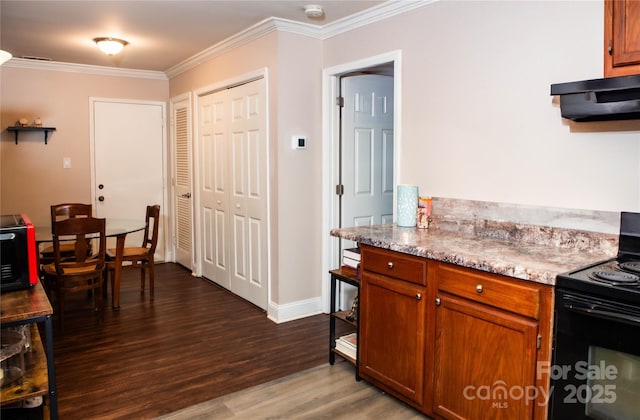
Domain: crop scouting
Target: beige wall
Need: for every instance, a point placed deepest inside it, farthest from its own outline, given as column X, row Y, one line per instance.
column 478, row 121
column 293, row 64
column 299, row 171
column 31, row 174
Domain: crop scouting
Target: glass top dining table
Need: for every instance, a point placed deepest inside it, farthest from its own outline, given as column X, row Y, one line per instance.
column 113, row 227
column 118, row 228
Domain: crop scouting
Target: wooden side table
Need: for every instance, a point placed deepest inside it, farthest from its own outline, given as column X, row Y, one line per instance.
column 30, row 307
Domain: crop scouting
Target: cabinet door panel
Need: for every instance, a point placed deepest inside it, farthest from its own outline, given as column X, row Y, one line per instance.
column 484, row 361
column 392, row 337
column 621, row 37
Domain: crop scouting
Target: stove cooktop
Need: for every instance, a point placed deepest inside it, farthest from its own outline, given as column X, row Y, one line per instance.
column 614, row 279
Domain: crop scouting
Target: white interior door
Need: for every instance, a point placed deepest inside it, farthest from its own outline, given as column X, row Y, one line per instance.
column 367, row 150
column 213, row 175
column 182, row 182
column 128, row 161
column 234, row 204
column 367, row 156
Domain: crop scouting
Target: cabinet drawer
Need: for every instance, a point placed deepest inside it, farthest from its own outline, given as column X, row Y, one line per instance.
column 395, row 264
column 509, row 294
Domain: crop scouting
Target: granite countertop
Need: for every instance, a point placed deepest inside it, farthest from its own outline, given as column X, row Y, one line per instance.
column 536, row 254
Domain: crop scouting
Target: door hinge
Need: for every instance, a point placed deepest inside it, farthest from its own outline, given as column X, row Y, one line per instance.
column 539, row 342
column 340, row 101
column 339, row 189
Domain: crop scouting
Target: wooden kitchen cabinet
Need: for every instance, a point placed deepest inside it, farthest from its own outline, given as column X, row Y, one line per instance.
column 490, row 334
column 393, row 317
column 621, row 37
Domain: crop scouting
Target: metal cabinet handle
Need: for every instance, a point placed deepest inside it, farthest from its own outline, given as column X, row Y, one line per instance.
column 186, row 195
column 390, row 265
column 479, row 288
column 438, row 302
column 418, row 296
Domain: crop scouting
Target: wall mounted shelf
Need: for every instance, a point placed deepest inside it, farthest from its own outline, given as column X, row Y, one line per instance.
column 46, row 131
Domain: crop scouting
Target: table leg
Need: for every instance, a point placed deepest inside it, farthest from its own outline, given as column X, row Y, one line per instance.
column 117, row 271
column 53, row 391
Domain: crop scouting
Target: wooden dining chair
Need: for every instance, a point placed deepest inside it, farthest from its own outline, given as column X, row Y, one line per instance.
column 61, row 212
column 142, row 257
column 82, row 272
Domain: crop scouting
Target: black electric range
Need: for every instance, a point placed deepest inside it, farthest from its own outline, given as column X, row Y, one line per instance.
column 597, row 329
column 616, row 278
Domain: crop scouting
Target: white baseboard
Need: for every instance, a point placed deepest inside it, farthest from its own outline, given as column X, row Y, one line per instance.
column 295, row 310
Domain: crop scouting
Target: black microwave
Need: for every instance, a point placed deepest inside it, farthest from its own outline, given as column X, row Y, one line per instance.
column 18, row 259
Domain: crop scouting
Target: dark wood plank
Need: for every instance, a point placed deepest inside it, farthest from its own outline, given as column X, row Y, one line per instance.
column 195, row 341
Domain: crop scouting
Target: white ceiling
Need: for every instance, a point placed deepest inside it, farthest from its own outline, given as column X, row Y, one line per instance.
column 161, row 34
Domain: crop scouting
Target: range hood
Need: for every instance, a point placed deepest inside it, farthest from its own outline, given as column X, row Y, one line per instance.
column 610, row 99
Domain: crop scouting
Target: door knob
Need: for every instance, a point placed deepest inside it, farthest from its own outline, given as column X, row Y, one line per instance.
column 237, row 206
column 101, row 198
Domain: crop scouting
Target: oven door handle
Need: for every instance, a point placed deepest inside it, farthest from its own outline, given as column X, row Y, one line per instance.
column 598, row 313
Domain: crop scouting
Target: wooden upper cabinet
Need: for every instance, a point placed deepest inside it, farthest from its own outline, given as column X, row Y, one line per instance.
column 621, row 37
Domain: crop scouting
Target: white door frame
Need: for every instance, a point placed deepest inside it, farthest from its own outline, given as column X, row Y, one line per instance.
column 330, row 138
column 197, row 93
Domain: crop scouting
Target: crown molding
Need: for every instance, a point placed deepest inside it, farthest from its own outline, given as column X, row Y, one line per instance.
column 250, row 34
column 24, row 63
column 377, row 13
column 374, row 14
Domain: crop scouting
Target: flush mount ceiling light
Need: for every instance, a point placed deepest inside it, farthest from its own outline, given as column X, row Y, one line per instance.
column 313, row 10
column 4, row 56
column 110, row 46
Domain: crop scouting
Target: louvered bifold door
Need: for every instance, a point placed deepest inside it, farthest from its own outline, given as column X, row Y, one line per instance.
column 182, row 188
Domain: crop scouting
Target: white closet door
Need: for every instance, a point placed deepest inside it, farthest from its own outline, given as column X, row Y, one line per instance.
column 248, row 160
column 233, row 145
column 213, row 188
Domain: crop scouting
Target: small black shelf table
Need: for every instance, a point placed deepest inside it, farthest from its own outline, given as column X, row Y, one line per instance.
column 346, row 275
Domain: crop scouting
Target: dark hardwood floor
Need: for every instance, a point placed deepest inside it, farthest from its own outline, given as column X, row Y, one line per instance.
column 195, row 341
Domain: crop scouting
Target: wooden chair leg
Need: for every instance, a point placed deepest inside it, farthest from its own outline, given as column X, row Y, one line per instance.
column 112, row 274
column 151, row 276
column 142, row 275
column 105, row 280
column 99, row 305
column 60, row 309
